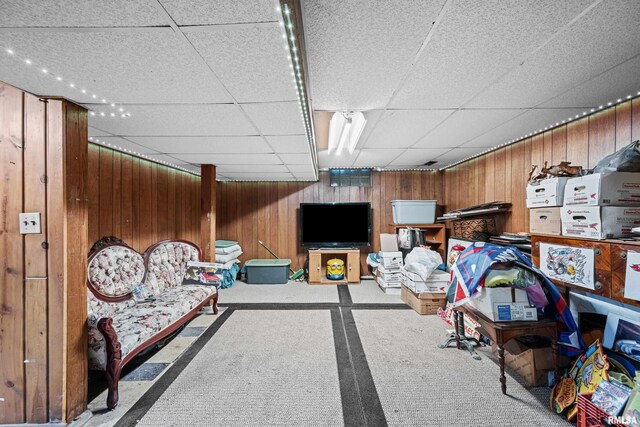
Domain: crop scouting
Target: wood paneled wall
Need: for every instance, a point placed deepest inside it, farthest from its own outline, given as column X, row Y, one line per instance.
column 248, row 212
column 140, row 201
column 502, row 175
column 43, row 311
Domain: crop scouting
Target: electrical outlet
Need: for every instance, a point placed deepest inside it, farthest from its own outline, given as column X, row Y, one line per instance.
column 30, row 223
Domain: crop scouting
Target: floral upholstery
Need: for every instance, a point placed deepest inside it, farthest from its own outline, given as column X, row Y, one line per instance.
column 167, row 265
column 115, row 270
column 138, row 324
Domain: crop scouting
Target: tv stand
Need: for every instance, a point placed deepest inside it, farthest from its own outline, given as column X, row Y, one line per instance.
column 318, row 265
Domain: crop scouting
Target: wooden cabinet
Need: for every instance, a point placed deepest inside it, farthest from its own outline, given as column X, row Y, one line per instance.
column 435, row 235
column 610, row 263
column 318, row 266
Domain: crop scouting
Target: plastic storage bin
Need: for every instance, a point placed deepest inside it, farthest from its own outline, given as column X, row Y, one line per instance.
column 267, row 271
column 413, row 211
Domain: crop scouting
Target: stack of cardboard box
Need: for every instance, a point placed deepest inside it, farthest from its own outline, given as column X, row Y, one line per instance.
column 388, row 273
column 424, row 296
column 598, row 206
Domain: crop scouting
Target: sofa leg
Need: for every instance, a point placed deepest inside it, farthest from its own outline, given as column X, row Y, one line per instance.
column 114, row 359
column 214, row 304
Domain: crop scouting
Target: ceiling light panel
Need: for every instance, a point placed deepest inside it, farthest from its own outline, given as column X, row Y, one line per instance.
column 79, row 13
column 289, row 143
column 248, row 59
column 147, row 66
column 586, row 49
column 402, row 128
column 475, row 43
column 359, row 50
column 418, row 157
column 465, row 125
column 207, row 12
column 203, row 144
column 179, row 120
column 276, row 118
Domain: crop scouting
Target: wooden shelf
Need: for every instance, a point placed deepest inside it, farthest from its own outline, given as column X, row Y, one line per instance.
column 318, row 266
column 435, row 235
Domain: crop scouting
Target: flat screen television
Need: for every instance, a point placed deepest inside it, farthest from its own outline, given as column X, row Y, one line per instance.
column 335, row 225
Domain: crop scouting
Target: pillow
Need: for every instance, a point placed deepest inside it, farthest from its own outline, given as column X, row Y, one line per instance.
column 223, row 258
column 228, row 249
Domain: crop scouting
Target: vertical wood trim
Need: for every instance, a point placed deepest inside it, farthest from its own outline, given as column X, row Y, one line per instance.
column 208, row 188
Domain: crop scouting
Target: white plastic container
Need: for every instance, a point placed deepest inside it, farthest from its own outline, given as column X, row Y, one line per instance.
column 413, row 211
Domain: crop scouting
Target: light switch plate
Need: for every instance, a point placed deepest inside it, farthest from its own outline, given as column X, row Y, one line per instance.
column 30, row 223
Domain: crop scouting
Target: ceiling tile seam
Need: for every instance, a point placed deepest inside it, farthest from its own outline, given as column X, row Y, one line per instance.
column 431, row 130
column 553, row 36
column 228, row 25
column 536, row 107
column 413, row 63
column 141, row 28
column 194, row 50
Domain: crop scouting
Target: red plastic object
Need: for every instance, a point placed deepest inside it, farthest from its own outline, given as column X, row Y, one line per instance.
column 589, row 415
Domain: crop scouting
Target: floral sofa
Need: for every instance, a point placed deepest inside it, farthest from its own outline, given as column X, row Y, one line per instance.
column 121, row 326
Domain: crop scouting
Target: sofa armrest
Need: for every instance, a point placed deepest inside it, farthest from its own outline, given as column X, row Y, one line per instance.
column 114, row 359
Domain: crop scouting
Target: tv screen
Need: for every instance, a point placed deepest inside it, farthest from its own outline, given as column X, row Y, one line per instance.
column 335, row 224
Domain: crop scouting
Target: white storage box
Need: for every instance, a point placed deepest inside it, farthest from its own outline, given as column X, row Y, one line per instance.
column 545, row 221
column 504, row 304
column 413, row 211
column 389, row 288
column 604, row 189
column 390, row 260
column 389, row 276
column 437, row 282
column 546, row 193
column 599, row 222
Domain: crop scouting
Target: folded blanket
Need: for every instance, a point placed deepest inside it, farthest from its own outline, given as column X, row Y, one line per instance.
column 228, row 249
column 224, row 258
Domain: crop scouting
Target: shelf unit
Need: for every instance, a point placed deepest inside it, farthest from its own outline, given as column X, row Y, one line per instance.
column 435, row 235
column 318, row 266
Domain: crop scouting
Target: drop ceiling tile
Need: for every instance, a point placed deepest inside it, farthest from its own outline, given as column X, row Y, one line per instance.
column 530, row 122
column 457, row 154
column 416, row 157
column 203, row 144
column 230, row 159
column 228, row 169
column 296, row 159
column 207, row 12
column 260, row 176
column 166, row 158
column 371, row 158
column 402, row 128
column 358, row 50
column 344, row 160
column 177, row 120
column 586, row 49
column 249, row 60
column 475, row 43
column 298, row 169
column 289, row 143
column 276, row 118
column 465, row 125
column 306, row 177
column 150, row 66
column 617, row 82
column 97, row 132
column 80, row 13
column 119, row 143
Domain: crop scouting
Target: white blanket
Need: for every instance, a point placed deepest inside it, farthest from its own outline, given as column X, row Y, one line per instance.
column 224, row 258
column 228, row 249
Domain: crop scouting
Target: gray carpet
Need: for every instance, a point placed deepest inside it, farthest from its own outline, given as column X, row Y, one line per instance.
column 422, row 385
column 292, row 292
column 261, row 368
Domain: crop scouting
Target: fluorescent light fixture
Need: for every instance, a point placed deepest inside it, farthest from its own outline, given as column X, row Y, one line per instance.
column 345, row 129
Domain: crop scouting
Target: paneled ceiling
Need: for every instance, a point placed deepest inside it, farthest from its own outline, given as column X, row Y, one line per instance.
column 209, row 82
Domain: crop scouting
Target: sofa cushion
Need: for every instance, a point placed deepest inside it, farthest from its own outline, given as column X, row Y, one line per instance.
column 167, row 265
column 136, row 324
column 115, row 270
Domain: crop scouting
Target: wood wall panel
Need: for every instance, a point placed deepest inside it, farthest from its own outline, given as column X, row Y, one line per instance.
column 139, row 201
column 248, row 211
column 501, row 175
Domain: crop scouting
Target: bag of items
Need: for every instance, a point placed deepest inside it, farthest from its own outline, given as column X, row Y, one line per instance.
column 626, row 159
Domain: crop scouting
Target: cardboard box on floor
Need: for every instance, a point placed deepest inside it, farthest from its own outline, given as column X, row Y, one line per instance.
column 425, row 302
column 532, row 364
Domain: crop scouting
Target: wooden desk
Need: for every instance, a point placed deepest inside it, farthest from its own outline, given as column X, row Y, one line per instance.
column 501, row 332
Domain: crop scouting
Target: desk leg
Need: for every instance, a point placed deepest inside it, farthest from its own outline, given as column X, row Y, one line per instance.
column 503, row 378
column 556, row 360
column 457, row 317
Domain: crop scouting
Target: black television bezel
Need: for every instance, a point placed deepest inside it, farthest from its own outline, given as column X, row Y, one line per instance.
column 336, row 244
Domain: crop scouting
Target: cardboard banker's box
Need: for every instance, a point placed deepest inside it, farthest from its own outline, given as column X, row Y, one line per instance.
column 604, row 189
column 504, row 304
column 532, row 364
column 546, row 193
column 595, row 222
column 545, row 221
